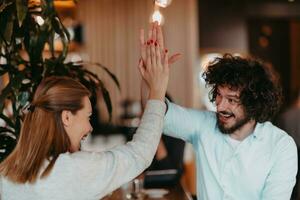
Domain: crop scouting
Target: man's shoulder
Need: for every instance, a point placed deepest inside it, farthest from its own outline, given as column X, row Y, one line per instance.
column 275, row 135
column 196, row 113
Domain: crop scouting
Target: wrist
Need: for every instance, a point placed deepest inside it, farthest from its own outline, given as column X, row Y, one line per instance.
column 157, row 96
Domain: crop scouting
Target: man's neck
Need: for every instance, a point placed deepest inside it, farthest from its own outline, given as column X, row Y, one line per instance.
column 244, row 131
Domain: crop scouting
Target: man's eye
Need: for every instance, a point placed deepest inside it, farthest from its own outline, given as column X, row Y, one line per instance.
column 232, row 101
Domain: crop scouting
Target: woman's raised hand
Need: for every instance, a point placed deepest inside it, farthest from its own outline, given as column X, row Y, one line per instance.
column 155, row 70
column 155, row 33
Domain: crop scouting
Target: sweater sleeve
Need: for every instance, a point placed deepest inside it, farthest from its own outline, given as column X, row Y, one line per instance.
column 101, row 173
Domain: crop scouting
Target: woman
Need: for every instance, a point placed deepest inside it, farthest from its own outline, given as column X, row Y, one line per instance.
column 47, row 163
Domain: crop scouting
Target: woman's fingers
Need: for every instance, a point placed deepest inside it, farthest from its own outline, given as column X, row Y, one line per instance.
column 153, row 55
column 166, row 60
column 149, row 66
column 158, row 55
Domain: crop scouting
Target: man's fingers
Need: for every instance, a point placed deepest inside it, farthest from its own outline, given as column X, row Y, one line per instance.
column 150, row 31
column 154, row 31
column 141, row 68
column 142, row 36
column 175, row 58
column 160, row 37
column 143, row 45
column 166, row 60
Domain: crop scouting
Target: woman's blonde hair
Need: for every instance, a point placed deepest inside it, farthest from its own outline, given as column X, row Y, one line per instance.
column 42, row 134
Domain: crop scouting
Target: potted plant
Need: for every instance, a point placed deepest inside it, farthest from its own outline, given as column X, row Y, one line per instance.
column 27, row 27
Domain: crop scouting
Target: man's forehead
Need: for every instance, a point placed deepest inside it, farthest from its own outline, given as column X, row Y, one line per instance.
column 229, row 90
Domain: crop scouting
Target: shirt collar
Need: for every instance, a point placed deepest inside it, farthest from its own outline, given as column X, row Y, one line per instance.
column 258, row 133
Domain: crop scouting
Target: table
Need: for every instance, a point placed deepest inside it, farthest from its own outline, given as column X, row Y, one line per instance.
column 175, row 193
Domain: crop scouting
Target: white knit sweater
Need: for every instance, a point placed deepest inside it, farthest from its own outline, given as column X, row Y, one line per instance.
column 89, row 175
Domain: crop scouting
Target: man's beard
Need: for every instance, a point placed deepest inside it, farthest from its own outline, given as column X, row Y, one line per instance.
column 238, row 124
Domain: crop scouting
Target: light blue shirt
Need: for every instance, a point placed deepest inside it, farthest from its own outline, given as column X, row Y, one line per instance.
column 262, row 167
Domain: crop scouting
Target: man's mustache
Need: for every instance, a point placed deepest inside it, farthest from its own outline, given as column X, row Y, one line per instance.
column 225, row 113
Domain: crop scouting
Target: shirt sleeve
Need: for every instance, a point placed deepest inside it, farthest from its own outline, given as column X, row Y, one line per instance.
column 185, row 123
column 282, row 177
column 0, row 186
column 104, row 172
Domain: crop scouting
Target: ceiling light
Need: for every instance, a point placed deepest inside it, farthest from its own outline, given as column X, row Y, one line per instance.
column 163, row 3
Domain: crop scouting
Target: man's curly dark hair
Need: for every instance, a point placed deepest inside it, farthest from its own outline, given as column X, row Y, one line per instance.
column 261, row 93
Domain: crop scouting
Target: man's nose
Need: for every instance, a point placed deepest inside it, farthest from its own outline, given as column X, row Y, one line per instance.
column 222, row 105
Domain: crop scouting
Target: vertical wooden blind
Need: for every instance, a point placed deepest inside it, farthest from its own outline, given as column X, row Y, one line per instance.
column 111, row 32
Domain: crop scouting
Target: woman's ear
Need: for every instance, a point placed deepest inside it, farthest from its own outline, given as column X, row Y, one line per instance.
column 66, row 117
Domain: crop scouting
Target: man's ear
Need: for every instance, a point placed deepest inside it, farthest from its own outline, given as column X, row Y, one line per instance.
column 66, row 117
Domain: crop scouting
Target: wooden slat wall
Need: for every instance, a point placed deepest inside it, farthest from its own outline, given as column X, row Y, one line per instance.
column 111, row 31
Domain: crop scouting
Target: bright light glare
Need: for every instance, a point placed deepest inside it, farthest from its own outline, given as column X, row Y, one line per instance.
column 157, row 16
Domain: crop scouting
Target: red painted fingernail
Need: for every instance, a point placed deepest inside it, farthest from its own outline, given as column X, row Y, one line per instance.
column 151, row 41
column 166, row 50
column 148, row 43
column 155, row 43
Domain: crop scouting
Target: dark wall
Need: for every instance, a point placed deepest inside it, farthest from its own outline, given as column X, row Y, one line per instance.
column 236, row 26
column 222, row 26
column 269, row 39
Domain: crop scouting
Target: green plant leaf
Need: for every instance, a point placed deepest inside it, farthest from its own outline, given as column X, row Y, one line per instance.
column 23, row 98
column 21, row 10
column 107, row 99
column 31, row 38
column 9, row 29
column 2, row 72
column 114, row 78
column 64, row 37
column 51, row 43
column 5, row 130
column 7, row 143
column 4, row 93
column 16, row 81
column 7, row 120
column 4, row 5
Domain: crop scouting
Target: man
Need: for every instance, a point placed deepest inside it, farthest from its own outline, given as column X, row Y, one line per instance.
column 240, row 154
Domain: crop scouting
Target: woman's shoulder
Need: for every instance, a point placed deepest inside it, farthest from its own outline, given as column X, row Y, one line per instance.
column 79, row 156
column 83, row 159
